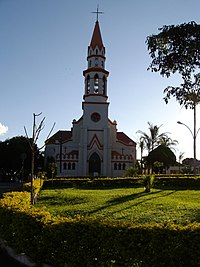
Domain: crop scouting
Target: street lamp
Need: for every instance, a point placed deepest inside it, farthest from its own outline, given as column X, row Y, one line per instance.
column 60, row 141
column 194, row 135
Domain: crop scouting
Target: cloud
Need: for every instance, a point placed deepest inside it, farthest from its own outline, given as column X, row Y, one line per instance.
column 3, row 129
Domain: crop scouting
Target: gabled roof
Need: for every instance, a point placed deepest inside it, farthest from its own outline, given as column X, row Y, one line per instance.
column 60, row 136
column 96, row 37
column 122, row 137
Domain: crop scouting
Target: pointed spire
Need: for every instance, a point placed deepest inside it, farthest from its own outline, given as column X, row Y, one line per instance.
column 96, row 37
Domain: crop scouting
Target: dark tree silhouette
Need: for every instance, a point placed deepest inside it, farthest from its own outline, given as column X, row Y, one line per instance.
column 161, row 157
column 176, row 49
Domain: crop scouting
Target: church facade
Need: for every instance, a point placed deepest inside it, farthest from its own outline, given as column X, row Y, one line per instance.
column 93, row 146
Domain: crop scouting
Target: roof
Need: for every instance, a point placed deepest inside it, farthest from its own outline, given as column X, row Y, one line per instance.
column 96, row 37
column 60, row 136
column 122, row 137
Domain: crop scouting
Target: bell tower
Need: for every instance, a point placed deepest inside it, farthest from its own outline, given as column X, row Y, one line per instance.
column 95, row 105
column 96, row 75
column 95, row 129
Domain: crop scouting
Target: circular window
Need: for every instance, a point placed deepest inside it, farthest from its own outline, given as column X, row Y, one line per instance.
column 95, row 117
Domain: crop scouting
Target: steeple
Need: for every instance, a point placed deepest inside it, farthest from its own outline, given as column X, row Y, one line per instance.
column 96, row 75
column 96, row 37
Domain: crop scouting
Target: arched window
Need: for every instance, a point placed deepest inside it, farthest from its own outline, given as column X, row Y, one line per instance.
column 119, row 166
column 65, row 166
column 96, row 51
column 96, row 84
column 124, row 166
column 88, row 84
column 69, row 166
column 73, row 166
column 115, row 166
column 90, row 64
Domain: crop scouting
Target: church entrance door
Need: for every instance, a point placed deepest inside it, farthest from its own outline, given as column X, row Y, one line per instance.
column 95, row 164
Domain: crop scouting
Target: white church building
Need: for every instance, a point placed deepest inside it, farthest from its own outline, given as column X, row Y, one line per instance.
column 93, row 146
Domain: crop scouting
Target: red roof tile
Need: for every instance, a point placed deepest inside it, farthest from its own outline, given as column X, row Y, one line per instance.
column 60, row 136
column 122, row 137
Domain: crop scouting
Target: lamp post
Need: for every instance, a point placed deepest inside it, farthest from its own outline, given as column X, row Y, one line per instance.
column 60, row 141
column 194, row 135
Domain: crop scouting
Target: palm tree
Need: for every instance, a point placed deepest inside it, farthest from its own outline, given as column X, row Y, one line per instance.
column 141, row 145
column 168, row 142
column 154, row 139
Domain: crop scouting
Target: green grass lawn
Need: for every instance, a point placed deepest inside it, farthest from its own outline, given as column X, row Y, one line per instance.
column 128, row 204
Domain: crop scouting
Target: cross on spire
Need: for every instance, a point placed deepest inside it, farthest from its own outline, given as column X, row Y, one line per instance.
column 98, row 12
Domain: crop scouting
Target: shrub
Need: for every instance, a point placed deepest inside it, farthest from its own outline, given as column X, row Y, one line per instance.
column 131, row 172
column 88, row 242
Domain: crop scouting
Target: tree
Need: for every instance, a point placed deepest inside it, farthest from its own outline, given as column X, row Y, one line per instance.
column 35, row 135
column 149, row 142
column 160, row 158
column 168, row 142
column 176, row 49
column 188, row 161
column 15, row 157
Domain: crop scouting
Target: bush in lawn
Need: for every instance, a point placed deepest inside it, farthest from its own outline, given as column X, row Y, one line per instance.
column 37, row 185
column 131, row 172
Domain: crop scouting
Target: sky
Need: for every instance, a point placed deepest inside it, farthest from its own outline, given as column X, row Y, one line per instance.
column 43, row 52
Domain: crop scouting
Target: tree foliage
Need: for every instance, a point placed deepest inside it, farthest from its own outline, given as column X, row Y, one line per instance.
column 155, row 138
column 15, row 157
column 176, row 49
column 161, row 156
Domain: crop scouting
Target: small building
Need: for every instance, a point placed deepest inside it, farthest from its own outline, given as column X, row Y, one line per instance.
column 93, row 146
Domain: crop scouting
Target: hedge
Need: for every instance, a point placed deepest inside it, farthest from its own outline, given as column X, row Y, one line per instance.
column 159, row 181
column 64, row 242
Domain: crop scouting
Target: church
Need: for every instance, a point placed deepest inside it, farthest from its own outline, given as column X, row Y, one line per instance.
column 93, row 146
